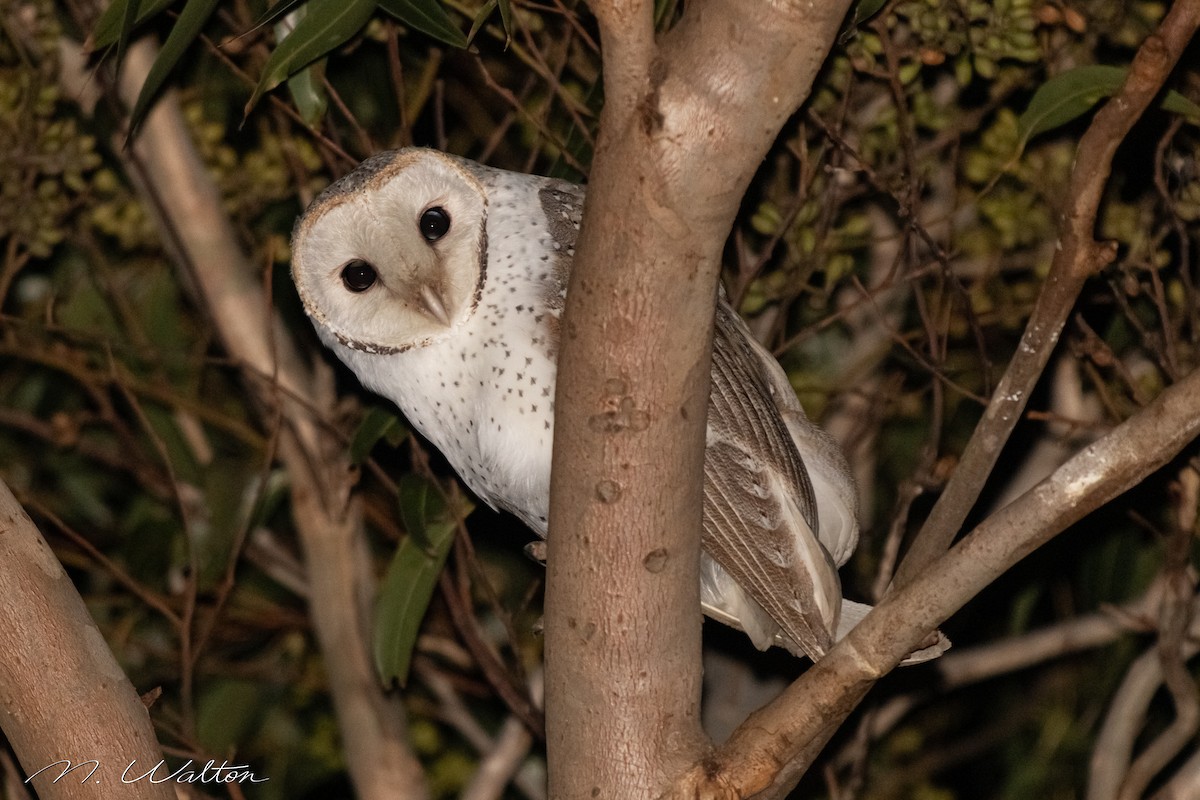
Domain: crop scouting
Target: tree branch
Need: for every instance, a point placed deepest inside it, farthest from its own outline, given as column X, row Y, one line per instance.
column 683, row 130
column 775, row 745
column 1112, row 752
column 62, row 694
column 627, row 30
column 1078, row 257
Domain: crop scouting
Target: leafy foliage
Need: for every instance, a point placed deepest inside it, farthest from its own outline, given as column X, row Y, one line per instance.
column 1069, row 94
column 408, row 585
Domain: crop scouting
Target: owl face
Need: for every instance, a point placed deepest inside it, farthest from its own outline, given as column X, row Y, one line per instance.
column 391, row 257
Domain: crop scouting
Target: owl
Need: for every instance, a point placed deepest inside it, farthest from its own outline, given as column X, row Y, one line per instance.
column 441, row 283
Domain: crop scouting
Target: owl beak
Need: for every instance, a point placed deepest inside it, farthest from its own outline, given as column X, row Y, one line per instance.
column 432, row 302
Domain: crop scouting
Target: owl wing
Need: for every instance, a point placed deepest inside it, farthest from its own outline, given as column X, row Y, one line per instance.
column 760, row 514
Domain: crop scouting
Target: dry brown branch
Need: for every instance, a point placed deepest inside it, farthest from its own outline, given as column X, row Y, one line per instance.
column 171, row 179
column 1021, row 652
column 1173, row 628
column 503, row 764
column 1184, row 784
column 62, row 694
column 500, row 764
column 68, row 437
column 961, row 668
column 686, row 122
column 152, row 599
column 1112, row 753
column 1077, row 257
column 1114, row 771
column 771, row 750
column 490, row 664
column 502, row 756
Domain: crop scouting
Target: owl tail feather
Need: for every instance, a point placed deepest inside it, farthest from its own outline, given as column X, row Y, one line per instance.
column 931, row 648
column 852, row 614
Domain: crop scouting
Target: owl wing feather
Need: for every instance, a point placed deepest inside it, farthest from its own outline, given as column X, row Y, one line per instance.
column 751, row 398
column 760, row 513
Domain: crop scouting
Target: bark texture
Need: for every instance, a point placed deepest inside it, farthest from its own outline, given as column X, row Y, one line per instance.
column 62, row 694
column 688, row 118
column 687, row 121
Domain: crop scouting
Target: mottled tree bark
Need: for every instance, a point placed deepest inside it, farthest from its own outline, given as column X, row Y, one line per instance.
column 688, row 118
column 62, row 694
column 687, row 121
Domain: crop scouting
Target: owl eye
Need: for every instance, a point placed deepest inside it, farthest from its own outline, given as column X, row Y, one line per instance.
column 358, row 276
column 434, row 223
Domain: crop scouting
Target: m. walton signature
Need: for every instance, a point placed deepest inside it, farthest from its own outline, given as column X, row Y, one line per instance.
column 211, row 772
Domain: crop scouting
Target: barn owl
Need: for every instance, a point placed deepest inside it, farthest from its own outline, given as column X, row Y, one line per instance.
column 440, row 283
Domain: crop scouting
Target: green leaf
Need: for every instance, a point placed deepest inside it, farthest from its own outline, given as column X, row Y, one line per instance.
column 229, row 711
column 506, row 20
column 427, row 16
column 305, row 87
column 481, row 16
column 664, row 11
column 1067, row 96
column 863, row 11
column 411, row 577
column 485, row 11
column 420, row 501
column 272, row 495
column 308, row 93
column 274, row 14
column 127, row 22
column 1178, row 104
column 377, row 423
column 191, row 21
column 327, row 25
column 111, row 22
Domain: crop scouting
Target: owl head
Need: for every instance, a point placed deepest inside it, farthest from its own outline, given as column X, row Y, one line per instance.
column 393, row 255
